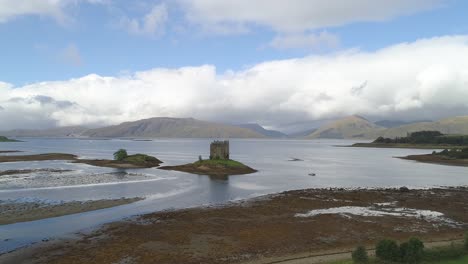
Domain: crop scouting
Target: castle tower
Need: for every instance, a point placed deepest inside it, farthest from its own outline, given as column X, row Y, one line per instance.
column 219, row 150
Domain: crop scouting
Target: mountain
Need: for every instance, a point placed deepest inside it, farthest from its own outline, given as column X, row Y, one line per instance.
column 173, row 128
column 453, row 125
column 68, row 131
column 261, row 130
column 302, row 134
column 397, row 123
column 349, row 127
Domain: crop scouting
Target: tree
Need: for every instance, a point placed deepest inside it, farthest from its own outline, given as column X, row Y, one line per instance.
column 120, row 154
column 412, row 251
column 387, row 250
column 360, row 255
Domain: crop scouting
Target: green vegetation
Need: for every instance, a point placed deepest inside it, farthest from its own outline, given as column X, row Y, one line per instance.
column 426, row 137
column 219, row 162
column 5, row 139
column 453, row 153
column 360, row 255
column 120, row 155
column 466, row 241
column 140, row 159
column 412, row 251
column 387, row 250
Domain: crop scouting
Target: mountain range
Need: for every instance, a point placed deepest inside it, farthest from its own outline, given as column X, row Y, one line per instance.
column 351, row 127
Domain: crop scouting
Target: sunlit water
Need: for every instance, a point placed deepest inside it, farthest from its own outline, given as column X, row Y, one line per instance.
column 333, row 167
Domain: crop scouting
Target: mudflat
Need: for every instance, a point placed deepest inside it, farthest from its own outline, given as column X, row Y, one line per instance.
column 38, row 157
column 292, row 223
column 145, row 162
column 14, row 212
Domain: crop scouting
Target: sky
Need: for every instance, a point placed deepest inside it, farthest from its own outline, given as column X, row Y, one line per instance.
column 274, row 62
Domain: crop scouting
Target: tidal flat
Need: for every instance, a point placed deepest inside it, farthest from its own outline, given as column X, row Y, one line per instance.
column 268, row 227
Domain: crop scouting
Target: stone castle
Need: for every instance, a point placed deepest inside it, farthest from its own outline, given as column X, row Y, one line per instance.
column 219, row 150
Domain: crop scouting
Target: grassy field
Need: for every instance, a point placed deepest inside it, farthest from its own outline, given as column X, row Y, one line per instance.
column 463, row 260
column 5, row 139
column 225, row 163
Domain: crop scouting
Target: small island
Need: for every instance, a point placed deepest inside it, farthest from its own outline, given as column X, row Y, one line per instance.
column 453, row 157
column 124, row 161
column 215, row 167
column 219, row 163
column 121, row 160
column 419, row 140
column 5, row 139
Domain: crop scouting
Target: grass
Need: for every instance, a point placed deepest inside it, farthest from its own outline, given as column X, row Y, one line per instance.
column 462, row 260
column 140, row 159
column 217, row 162
column 5, row 139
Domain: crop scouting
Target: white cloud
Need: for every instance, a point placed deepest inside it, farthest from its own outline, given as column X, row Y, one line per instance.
column 306, row 41
column 296, row 15
column 56, row 9
column 425, row 78
column 152, row 24
column 71, row 55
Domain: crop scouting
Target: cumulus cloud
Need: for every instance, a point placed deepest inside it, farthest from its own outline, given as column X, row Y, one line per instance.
column 56, row 9
column 296, row 15
column 428, row 77
column 152, row 24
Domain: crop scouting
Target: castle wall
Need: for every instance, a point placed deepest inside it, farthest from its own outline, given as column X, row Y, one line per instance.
column 219, row 150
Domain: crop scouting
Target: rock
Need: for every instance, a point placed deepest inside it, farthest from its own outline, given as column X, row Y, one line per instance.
column 404, row 189
column 312, row 174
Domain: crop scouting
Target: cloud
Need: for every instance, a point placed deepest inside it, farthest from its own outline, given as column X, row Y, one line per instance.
column 425, row 78
column 71, row 55
column 296, row 15
column 323, row 40
column 56, row 9
column 152, row 24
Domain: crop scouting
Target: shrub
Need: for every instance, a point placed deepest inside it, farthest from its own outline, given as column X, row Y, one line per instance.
column 466, row 241
column 387, row 250
column 120, row 154
column 200, row 158
column 360, row 255
column 412, row 251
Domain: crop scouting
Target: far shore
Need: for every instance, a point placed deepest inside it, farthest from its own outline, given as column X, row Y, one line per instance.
column 437, row 159
column 293, row 224
column 405, row 146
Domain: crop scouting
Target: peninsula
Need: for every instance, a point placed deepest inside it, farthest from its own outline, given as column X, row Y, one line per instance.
column 419, row 140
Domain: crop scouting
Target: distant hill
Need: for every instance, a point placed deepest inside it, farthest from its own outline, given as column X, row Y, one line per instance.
column 68, row 131
column 261, row 130
column 302, row 134
column 397, row 123
column 349, row 127
column 173, row 128
column 453, row 125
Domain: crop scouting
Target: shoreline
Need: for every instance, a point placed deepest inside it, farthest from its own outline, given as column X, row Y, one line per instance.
column 436, row 159
column 403, row 146
column 12, row 212
column 266, row 227
column 74, row 159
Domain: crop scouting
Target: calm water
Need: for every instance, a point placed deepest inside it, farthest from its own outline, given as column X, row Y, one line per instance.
column 333, row 166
